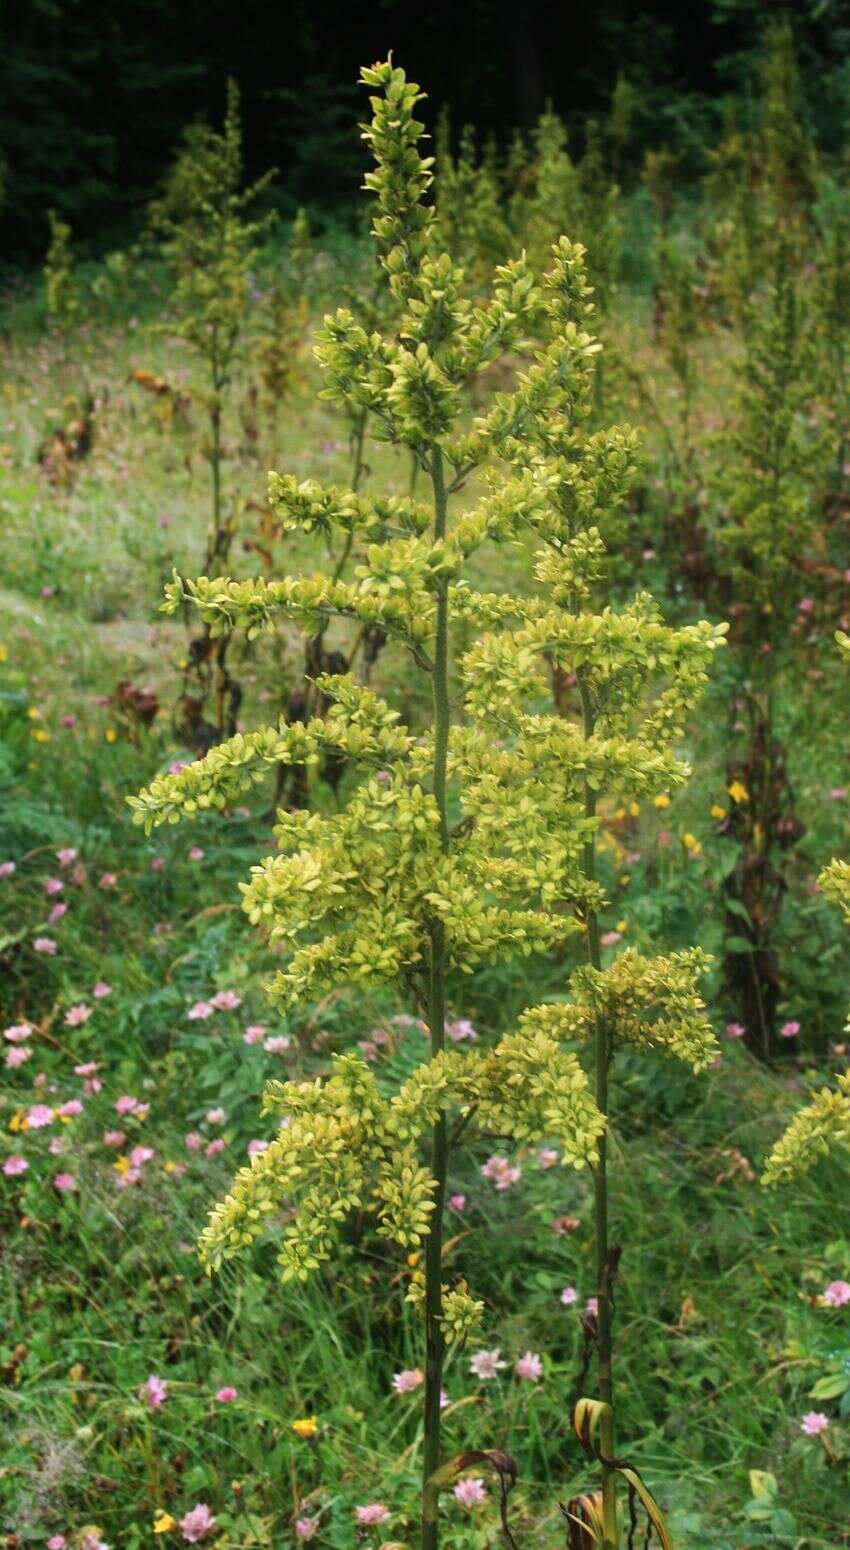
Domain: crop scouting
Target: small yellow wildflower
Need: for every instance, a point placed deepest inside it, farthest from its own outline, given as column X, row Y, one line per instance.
column 307, row 1426
column 40, row 735
column 34, row 713
column 163, row 1523
column 620, row 813
column 121, row 1165
column 413, row 1259
column 717, row 811
column 169, row 1167
column 18, row 1120
column 110, row 734
column 625, row 879
column 634, row 809
column 3, row 654
column 738, row 792
column 622, row 925
column 692, row 844
column 662, row 800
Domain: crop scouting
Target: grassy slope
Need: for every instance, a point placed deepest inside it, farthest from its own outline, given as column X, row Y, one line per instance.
column 720, row 1338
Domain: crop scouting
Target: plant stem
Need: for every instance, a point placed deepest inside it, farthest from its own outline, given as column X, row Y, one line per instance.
column 604, row 1340
column 434, row 1340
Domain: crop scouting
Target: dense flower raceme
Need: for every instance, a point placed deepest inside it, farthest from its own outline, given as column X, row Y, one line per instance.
column 356, row 897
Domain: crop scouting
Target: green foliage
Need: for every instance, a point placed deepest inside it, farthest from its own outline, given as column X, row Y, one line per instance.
column 60, row 285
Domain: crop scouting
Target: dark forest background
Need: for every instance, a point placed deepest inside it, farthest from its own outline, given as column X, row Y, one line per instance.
column 94, row 94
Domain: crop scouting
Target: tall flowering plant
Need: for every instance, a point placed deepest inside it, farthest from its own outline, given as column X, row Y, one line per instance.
column 472, row 839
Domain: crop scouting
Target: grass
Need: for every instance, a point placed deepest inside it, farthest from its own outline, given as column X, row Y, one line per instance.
column 721, row 1336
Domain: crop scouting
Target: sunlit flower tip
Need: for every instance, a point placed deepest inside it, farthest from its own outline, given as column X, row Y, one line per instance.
column 18, row 1033
column 256, row 1146
column 569, row 1295
column 44, row 944
column 277, row 1044
column 547, row 1157
column 457, row 1202
column 717, row 811
column 77, row 1015
column 471, row 1491
column 15, row 1165
column 662, row 800
column 373, row 1512
column 216, row 1116
column 163, row 1523
column 790, row 1030
column 195, row 1525
column 200, row 1011
column 305, row 1528
column 154, row 1391
column 486, row 1364
column 738, row 792
column 735, row 1030
column 39, row 1116
column 101, row 989
column 814, row 1422
column 7, row 869
column 305, row 1426
column 529, row 1368
column 226, row 1395
column 837, row 1294
column 196, row 854
column 254, row 1033
column 65, row 1183
column 226, row 1000
column 407, row 1380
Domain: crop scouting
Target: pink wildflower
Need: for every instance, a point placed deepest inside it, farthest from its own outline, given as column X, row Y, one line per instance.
column 305, row 1528
column 56, row 913
column 460, row 1030
column 592, row 1305
column 226, row 1000
column 569, row 1295
column 501, row 1173
column 196, row 854
column 158, row 864
column 44, row 944
column 17, row 1055
column 547, row 1157
column 87, row 1068
column 39, row 1116
column 57, row 1146
column 66, row 856
column 790, row 1030
column 195, row 1525
column 610, row 938
column 814, row 1422
column 227, row 1394
column 215, row 1147
column 77, row 1015
column 470, row 1492
column 115, row 1138
column 276, row 1044
column 193, row 1142
column 18, row 1033
column 216, row 1116
column 457, row 1202
column 15, row 1165
column 53, row 885
column 407, row 1380
column 140, row 1155
column 65, row 1183
column 57, row 1542
column 7, row 869
column 735, row 1030
column 486, row 1364
column 837, row 1294
column 71, row 1109
column 373, row 1512
column 101, row 989
column 154, row 1391
column 256, row 1146
column 126, row 1104
column 200, row 1011
column 253, row 1033
column 107, row 880
column 529, row 1368
column 838, row 793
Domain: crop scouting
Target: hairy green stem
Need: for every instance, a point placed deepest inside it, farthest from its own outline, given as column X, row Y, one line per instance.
column 434, row 1339
column 604, row 1335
